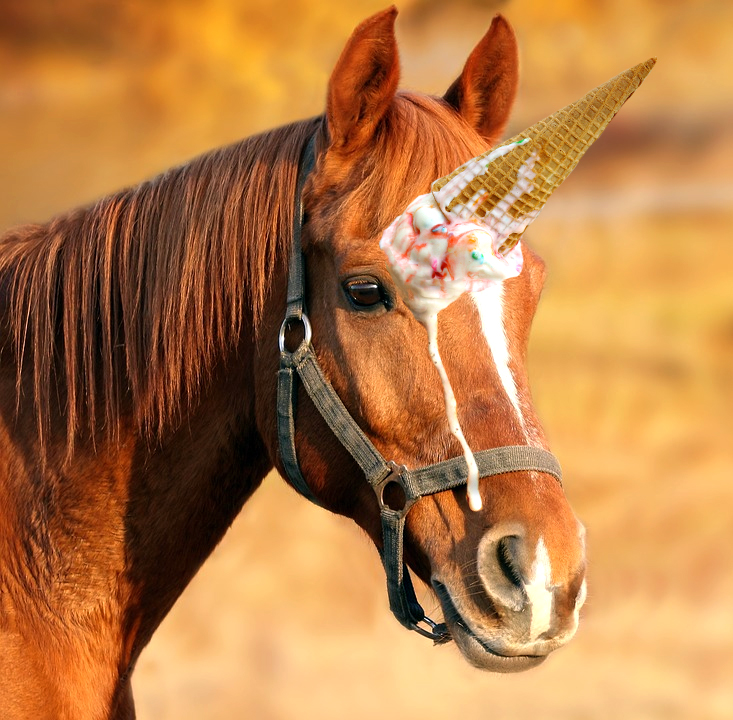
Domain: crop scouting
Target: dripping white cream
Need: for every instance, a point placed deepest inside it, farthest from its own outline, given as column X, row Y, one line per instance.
column 451, row 408
column 435, row 257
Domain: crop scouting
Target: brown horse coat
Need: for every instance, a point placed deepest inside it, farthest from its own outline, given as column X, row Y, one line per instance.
column 138, row 355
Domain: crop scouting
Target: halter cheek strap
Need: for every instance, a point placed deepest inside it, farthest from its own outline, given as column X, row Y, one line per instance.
column 379, row 473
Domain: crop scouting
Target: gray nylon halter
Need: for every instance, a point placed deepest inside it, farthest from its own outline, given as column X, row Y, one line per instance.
column 378, row 472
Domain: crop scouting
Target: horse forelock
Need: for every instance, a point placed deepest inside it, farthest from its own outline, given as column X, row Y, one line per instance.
column 130, row 301
column 420, row 139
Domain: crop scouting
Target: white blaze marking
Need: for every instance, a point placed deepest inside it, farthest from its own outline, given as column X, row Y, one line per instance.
column 431, row 325
column 539, row 592
column 489, row 303
column 582, row 595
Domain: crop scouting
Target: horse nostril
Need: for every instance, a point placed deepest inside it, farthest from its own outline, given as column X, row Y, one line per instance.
column 506, row 552
column 499, row 563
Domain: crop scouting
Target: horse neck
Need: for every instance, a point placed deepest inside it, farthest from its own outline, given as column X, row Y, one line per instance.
column 184, row 495
column 97, row 547
column 131, row 520
column 166, row 501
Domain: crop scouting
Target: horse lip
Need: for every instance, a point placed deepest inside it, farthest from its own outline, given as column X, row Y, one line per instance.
column 477, row 651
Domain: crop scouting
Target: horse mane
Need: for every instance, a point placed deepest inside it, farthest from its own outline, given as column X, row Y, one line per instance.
column 134, row 298
column 137, row 296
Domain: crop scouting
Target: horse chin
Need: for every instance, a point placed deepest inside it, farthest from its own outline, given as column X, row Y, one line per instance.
column 475, row 650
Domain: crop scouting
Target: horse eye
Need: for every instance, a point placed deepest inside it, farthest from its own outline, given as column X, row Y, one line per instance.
column 364, row 293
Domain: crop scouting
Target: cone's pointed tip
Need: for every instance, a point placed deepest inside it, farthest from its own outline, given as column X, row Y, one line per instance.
column 633, row 77
column 644, row 68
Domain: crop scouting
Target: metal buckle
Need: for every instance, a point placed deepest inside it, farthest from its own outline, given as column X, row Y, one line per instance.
column 438, row 632
column 307, row 331
column 394, row 477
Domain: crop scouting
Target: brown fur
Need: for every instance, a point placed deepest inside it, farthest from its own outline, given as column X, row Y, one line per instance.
column 138, row 356
column 144, row 290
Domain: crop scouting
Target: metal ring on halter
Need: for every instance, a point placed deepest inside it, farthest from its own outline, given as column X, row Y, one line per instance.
column 394, row 476
column 438, row 632
column 307, row 331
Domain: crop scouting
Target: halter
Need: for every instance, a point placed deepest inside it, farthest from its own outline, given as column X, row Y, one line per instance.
column 379, row 473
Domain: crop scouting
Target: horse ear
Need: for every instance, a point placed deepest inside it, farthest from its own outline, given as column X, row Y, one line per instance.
column 484, row 92
column 363, row 82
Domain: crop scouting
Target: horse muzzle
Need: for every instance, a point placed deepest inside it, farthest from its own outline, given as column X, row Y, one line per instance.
column 491, row 643
column 514, row 614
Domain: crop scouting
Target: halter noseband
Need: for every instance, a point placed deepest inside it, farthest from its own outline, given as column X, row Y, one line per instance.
column 378, row 472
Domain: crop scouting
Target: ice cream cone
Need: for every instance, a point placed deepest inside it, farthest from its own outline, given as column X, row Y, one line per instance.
column 531, row 166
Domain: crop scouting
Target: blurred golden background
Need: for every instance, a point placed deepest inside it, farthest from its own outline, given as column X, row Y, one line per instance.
column 631, row 357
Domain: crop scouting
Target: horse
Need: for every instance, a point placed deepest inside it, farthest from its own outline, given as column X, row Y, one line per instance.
column 141, row 345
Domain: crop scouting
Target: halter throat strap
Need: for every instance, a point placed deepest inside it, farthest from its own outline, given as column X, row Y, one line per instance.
column 378, row 472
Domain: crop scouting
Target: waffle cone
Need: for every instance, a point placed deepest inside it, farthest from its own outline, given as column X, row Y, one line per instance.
column 554, row 147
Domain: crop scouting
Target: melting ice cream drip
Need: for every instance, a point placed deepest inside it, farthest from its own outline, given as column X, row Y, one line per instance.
column 451, row 408
column 435, row 256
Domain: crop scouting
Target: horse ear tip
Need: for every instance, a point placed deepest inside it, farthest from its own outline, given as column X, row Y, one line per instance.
column 387, row 15
column 500, row 33
column 499, row 22
column 382, row 21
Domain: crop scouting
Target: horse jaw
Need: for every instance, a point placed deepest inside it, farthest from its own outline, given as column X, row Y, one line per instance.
column 529, row 600
column 491, row 650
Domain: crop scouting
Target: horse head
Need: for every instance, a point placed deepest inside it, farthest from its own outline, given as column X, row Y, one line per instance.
column 509, row 577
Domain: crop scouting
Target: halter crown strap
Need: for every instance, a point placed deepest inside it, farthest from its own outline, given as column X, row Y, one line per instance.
column 286, row 390
column 378, row 472
column 296, row 274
